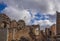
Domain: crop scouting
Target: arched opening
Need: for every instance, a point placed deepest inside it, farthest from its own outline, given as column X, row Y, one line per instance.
column 5, row 24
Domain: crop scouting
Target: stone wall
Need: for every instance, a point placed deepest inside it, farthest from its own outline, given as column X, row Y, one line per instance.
column 17, row 29
column 3, row 34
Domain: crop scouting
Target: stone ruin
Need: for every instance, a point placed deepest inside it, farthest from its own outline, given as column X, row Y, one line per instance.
column 17, row 29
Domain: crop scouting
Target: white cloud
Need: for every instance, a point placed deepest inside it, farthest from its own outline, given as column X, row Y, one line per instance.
column 19, row 9
column 44, row 22
column 16, row 14
column 45, row 6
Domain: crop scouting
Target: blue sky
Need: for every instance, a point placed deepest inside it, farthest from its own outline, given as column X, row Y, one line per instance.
column 42, row 12
column 2, row 6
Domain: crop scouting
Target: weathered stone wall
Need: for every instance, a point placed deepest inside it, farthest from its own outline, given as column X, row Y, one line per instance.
column 15, row 30
column 3, row 34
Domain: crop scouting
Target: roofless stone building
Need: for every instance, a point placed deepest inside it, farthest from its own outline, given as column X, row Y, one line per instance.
column 17, row 30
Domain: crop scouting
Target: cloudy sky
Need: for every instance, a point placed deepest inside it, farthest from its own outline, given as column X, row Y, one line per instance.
column 42, row 12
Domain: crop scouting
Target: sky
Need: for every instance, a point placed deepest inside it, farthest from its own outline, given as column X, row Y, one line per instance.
column 33, row 12
column 2, row 6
